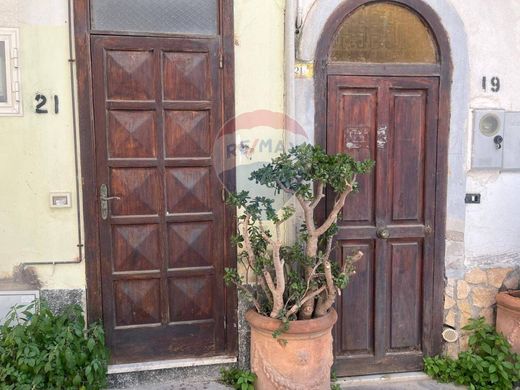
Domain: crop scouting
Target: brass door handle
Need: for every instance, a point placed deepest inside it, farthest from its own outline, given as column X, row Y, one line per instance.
column 383, row 233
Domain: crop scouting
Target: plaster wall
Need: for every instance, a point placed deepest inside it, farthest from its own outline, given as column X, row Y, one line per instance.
column 37, row 150
column 484, row 39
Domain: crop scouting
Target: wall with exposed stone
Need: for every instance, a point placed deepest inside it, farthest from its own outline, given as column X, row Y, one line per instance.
column 482, row 240
column 473, row 296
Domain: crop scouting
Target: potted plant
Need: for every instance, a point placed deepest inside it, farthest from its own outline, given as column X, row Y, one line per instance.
column 296, row 284
column 508, row 317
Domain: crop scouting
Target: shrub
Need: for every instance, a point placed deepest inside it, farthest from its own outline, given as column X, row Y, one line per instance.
column 239, row 379
column 300, row 280
column 489, row 363
column 48, row 351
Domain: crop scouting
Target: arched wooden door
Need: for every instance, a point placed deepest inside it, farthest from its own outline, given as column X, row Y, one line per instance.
column 380, row 96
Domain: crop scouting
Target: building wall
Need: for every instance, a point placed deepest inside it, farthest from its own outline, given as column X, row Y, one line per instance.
column 482, row 243
column 37, row 151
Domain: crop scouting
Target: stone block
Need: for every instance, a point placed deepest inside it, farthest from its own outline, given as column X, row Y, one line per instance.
column 496, row 276
column 450, row 288
column 448, row 302
column 464, row 342
column 484, row 296
column 451, row 350
column 512, row 281
column 464, row 306
column 463, row 289
column 476, row 276
column 489, row 315
column 464, row 318
column 451, row 318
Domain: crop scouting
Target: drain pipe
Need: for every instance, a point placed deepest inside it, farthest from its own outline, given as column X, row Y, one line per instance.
column 291, row 7
column 80, row 244
column 289, row 50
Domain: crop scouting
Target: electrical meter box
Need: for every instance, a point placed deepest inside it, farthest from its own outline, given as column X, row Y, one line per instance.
column 512, row 141
column 488, row 139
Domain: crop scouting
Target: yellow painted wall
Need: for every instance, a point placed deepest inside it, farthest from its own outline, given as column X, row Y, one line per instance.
column 37, row 151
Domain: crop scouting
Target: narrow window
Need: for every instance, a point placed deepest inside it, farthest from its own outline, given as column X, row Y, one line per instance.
column 10, row 103
column 199, row 17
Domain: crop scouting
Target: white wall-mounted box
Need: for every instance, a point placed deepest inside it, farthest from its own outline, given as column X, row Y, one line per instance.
column 8, row 299
column 488, row 139
column 512, row 141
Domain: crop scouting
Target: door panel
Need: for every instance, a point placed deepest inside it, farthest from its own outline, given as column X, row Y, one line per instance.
column 157, row 110
column 385, row 312
column 359, row 299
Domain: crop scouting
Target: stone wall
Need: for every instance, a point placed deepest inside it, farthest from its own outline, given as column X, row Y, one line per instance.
column 473, row 296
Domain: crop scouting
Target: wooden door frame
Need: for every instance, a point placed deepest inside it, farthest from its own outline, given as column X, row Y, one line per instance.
column 442, row 70
column 83, row 33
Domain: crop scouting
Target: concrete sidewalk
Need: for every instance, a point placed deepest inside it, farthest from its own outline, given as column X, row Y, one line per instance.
column 409, row 381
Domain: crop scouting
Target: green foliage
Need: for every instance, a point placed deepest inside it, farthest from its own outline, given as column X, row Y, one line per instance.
column 48, row 351
column 239, row 379
column 333, row 380
column 489, row 363
column 305, row 164
column 295, row 172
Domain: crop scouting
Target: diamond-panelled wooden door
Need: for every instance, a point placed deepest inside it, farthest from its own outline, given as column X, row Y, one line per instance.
column 157, row 110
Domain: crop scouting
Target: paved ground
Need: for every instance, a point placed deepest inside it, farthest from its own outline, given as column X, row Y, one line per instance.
column 409, row 382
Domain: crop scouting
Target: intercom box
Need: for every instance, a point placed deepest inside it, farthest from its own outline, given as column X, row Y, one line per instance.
column 488, row 139
column 512, row 141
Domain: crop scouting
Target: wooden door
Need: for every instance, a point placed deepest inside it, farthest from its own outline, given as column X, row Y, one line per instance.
column 385, row 315
column 157, row 110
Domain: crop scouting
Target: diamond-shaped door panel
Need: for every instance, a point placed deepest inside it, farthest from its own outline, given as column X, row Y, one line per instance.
column 131, row 75
column 137, row 302
column 187, row 134
column 190, row 244
column 188, row 190
column 186, row 76
column 135, row 247
column 131, row 134
column 138, row 190
column 191, row 298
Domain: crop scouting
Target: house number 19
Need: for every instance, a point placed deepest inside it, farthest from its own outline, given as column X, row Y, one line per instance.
column 494, row 82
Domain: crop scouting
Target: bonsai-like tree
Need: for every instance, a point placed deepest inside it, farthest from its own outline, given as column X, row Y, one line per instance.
column 298, row 280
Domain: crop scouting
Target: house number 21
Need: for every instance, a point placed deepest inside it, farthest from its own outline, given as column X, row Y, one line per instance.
column 42, row 101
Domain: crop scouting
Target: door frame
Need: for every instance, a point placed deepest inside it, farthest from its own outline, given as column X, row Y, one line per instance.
column 82, row 32
column 442, row 70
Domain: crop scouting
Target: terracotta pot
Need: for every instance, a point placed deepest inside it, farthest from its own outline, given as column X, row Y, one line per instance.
column 508, row 317
column 303, row 362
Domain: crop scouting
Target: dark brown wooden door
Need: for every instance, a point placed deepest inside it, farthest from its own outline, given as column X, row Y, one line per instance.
column 157, row 109
column 385, row 315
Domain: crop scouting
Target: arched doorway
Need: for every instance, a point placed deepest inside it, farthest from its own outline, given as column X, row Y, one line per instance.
column 382, row 92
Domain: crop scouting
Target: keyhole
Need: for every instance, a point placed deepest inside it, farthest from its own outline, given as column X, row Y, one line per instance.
column 498, row 141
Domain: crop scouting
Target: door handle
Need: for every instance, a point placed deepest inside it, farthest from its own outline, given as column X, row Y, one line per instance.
column 383, row 233
column 104, row 198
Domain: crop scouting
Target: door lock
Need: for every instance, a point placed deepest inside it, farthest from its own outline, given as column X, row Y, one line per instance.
column 382, row 137
column 104, row 198
column 498, row 141
column 383, row 233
